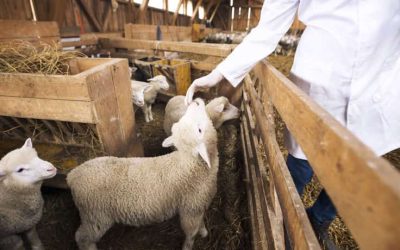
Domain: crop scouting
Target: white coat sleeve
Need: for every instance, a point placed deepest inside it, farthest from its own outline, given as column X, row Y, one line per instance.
column 276, row 18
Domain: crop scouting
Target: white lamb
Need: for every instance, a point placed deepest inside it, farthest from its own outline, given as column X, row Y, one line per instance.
column 157, row 84
column 219, row 110
column 141, row 191
column 21, row 204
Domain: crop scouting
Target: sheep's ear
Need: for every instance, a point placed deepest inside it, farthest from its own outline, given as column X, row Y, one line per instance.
column 168, row 142
column 28, row 143
column 202, row 150
column 219, row 108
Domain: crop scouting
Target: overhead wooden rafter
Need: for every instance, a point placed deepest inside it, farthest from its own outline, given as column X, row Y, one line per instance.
column 215, row 11
column 92, row 18
column 208, row 8
column 196, row 9
column 166, row 13
column 142, row 13
column 176, row 12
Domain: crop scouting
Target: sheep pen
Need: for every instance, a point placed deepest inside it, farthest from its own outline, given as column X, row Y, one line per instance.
column 226, row 219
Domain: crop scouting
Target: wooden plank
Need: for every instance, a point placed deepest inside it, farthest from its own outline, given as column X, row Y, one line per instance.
column 254, row 208
column 40, row 86
column 20, row 29
column 126, row 114
column 196, row 9
column 47, row 109
column 182, row 78
column 215, row 11
column 221, row 50
column 336, row 155
column 142, row 13
column 89, row 13
column 296, row 221
column 176, row 12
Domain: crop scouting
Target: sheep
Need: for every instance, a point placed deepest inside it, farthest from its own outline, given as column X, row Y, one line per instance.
column 138, row 93
column 219, row 110
column 157, row 84
column 141, row 191
column 21, row 204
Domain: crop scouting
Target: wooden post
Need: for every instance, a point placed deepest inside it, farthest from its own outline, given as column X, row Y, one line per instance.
column 142, row 13
column 176, row 12
column 208, row 8
column 196, row 9
column 215, row 11
column 166, row 12
column 90, row 14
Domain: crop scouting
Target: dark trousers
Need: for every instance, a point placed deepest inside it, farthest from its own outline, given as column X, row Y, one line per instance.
column 323, row 211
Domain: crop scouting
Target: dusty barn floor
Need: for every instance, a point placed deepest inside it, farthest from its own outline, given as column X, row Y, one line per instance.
column 225, row 219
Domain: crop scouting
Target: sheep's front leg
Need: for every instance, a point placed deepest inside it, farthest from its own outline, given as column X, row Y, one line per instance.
column 145, row 112
column 150, row 113
column 13, row 242
column 33, row 239
column 191, row 224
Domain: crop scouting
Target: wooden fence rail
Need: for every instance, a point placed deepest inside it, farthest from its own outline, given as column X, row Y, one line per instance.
column 364, row 187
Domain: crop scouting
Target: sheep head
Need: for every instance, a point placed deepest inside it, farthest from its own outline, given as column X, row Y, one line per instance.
column 138, row 93
column 220, row 110
column 194, row 133
column 23, row 167
column 161, row 81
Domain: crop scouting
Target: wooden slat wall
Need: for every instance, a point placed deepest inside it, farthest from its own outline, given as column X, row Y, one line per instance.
column 69, row 14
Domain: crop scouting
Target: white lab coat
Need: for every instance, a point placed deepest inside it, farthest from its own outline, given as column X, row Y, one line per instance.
column 348, row 61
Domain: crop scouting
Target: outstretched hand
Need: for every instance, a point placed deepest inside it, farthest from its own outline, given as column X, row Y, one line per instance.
column 202, row 84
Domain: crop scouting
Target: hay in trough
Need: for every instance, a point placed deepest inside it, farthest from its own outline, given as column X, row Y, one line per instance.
column 24, row 57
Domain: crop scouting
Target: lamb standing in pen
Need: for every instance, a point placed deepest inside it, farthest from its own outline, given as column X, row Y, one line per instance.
column 141, row 191
column 157, row 84
column 21, row 204
column 219, row 110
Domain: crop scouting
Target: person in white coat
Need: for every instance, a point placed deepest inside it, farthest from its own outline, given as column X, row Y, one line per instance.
column 348, row 61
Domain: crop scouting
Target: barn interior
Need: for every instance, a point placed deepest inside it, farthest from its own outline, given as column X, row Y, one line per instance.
column 65, row 76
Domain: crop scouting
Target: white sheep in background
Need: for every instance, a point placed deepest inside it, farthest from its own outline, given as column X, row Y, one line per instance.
column 21, row 204
column 142, row 191
column 219, row 110
column 157, row 84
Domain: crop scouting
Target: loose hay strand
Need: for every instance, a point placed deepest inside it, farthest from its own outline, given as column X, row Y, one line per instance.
column 41, row 58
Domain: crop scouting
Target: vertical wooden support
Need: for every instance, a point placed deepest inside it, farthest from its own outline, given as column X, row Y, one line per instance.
column 110, row 90
column 142, row 13
column 215, row 11
column 196, row 9
column 176, row 12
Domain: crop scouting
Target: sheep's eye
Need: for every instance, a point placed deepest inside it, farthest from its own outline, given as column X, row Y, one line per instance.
column 199, row 130
column 20, row 170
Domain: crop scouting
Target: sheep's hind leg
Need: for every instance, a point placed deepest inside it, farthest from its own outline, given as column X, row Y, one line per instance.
column 150, row 113
column 203, row 230
column 190, row 225
column 146, row 113
column 89, row 234
column 33, row 239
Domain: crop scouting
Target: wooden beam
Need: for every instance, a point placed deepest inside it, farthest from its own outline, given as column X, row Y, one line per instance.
column 107, row 16
column 215, row 11
column 176, row 12
column 142, row 9
column 208, row 8
column 349, row 171
column 166, row 12
column 47, row 109
column 220, row 50
column 196, row 9
column 90, row 14
column 300, row 231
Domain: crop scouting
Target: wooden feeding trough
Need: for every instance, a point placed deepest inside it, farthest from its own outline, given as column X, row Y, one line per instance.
column 177, row 71
column 96, row 92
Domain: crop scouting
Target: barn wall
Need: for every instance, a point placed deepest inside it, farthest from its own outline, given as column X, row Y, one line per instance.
column 73, row 19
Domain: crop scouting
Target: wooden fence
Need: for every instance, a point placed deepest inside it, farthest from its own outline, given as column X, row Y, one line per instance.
column 364, row 187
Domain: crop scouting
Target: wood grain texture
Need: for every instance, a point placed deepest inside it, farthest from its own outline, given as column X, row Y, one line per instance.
column 350, row 172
